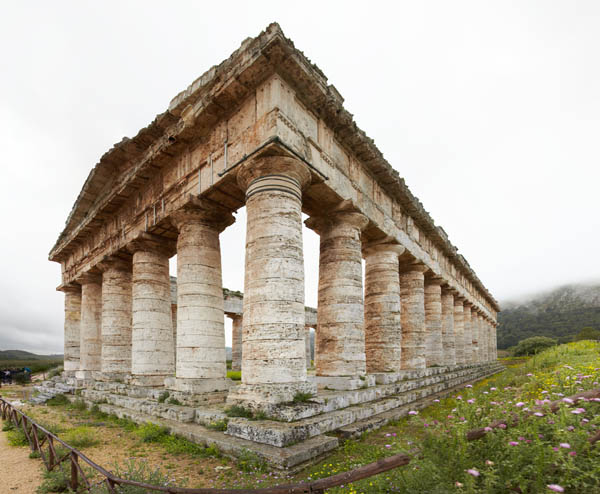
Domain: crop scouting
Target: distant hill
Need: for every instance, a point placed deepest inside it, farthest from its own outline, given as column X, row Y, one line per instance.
column 560, row 313
column 23, row 355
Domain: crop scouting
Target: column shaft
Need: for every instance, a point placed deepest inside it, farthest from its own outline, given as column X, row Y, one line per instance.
column 200, row 365
column 152, row 358
column 340, row 337
column 433, row 322
column 273, row 354
column 475, row 331
column 72, row 329
column 236, row 343
column 448, row 338
column 307, row 346
column 383, row 335
column 467, row 333
column 412, row 299
column 116, row 320
column 459, row 341
column 91, row 323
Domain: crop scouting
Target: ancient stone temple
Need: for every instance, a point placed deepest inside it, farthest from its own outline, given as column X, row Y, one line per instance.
column 264, row 130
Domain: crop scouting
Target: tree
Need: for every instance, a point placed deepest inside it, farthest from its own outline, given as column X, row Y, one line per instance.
column 533, row 345
column 588, row 333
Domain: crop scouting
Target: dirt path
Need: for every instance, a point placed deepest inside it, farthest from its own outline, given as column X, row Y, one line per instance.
column 18, row 473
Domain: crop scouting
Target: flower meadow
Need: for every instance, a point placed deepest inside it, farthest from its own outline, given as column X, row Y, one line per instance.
column 532, row 450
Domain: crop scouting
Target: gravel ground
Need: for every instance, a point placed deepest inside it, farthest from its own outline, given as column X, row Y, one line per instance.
column 18, row 473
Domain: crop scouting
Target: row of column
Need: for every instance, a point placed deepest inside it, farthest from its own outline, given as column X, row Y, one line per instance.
column 407, row 319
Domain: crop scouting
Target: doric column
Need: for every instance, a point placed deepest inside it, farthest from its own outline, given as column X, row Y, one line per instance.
column 467, row 332
column 236, row 342
column 273, row 356
column 459, row 341
column 475, row 318
column 340, row 337
column 115, row 362
column 307, row 346
column 412, row 299
column 448, row 340
column 434, row 352
column 152, row 351
column 90, row 327
column 201, row 361
column 494, row 341
column 485, row 340
column 383, row 334
column 72, row 327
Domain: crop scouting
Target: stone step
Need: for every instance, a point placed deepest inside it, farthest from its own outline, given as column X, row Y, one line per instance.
column 150, row 407
column 377, row 421
column 394, row 383
column 282, row 434
column 292, row 458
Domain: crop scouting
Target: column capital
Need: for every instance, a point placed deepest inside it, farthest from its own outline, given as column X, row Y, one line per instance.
column 459, row 300
column 468, row 303
column 153, row 243
column 384, row 247
column 413, row 266
column 343, row 212
column 115, row 263
column 272, row 173
column 433, row 279
column 69, row 288
column 91, row 276
column 202, row 211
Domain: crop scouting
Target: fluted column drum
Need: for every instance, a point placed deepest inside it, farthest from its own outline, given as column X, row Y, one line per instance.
column 412, row 299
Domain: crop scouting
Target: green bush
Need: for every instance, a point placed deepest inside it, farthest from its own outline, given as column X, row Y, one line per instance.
column 234, row 375
column 238, row 411
column 151, row 433
column 78, row 405
column 533, row 345
column 247, row 461
column 173, row 401
column 58, row 401
column 16, row 437
column 80, row 437
column 587, row 334
column 163, row 396
column 302, row 397
column 219, row 425
column 54, row 481
column 137, row 471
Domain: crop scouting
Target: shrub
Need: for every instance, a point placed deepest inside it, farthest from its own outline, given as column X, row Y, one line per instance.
column 58, row 401
column 78, row 405
column 219, row 425
column 302, row 397
column 533, row 345
column 151, row 433
column 173, row 401
column 54, row 481
column 238, row 411
column 163, row 396
column 16, row 437
column 137, row 471
column 587, row 334
column 247, row 461
column 234, row 375
column 80, row 437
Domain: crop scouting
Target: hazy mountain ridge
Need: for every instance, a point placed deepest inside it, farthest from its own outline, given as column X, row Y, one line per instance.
column 559, row 313
column 23, row 355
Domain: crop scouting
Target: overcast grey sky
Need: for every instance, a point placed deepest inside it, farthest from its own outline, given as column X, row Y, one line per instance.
column 489, row 110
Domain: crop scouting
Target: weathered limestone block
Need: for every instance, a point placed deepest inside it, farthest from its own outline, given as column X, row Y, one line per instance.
column 340, row 337
column 459, row 341
column 236, row 342
column 307, row 346
column 200, row 364
column 152, row 356
column 412, row 299
column 448, row 338
column 494, row 341
column 433, row 321
column 383, row 334
column 476, row 328
column 485, row 340
column 116, row 318
column 467, row 333
column 72, row 327
column 91, row 323
column 273, row 355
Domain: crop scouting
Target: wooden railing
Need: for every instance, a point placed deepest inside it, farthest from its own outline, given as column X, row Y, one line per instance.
column 45, row 443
